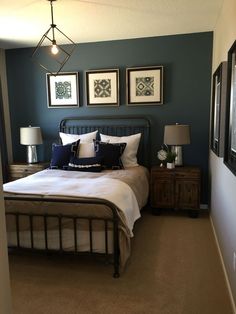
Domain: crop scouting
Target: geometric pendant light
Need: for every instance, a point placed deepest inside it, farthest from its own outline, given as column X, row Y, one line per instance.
column 48, row 53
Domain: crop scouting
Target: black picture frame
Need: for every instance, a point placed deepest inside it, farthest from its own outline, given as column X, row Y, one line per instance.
column 218, row 108
column 230, row 125
column 102, row 87
column 63, row 90
column 144, row 86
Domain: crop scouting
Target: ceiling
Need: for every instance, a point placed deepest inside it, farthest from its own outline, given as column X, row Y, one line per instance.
column 23, row 22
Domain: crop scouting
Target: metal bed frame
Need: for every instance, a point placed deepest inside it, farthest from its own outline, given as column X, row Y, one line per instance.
column 115, row 126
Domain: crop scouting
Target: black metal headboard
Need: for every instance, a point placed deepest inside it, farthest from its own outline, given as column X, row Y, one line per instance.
column 113, row 125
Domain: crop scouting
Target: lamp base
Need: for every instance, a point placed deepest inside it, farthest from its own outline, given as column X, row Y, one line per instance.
column 179, row 155
column 32, row 157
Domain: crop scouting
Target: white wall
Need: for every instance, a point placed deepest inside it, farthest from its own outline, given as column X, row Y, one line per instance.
column 223, row 182
column 5, row 299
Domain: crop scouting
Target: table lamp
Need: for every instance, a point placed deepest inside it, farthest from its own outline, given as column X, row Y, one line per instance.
column 31, row 136
column 177, row 135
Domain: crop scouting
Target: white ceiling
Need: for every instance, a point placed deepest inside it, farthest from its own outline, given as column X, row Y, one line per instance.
column 23, row 22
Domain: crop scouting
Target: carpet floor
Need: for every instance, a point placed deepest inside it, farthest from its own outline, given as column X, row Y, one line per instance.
column 174, row 269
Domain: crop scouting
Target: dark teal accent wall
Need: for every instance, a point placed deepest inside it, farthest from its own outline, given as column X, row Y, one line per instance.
column 187, row 82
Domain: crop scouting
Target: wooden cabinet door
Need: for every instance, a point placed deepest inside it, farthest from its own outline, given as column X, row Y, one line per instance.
column 162, row 194
column 187, row 194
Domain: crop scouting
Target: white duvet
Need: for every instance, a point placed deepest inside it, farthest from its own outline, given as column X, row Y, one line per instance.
column 68, row 183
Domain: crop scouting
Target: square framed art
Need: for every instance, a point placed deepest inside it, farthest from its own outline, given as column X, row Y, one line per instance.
column 102, row 87
column 63, row 90
column 144, row 85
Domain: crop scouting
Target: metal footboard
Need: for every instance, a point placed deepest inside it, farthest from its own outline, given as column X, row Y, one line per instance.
column 114, row 220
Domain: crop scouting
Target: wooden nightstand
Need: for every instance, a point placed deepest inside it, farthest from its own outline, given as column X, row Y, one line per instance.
column 20, row 170
column 177, row 188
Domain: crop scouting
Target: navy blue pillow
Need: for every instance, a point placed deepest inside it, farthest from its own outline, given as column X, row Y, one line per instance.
column 110, row 154
column 89, row 164
column 61, row 155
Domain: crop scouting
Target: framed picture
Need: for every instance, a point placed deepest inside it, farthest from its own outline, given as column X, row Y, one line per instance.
column 102, row 87
column 230, row 125
column 63, row 90
column 218, row 109
column 144, row 85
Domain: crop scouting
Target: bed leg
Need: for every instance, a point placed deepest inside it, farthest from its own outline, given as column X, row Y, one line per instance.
column 116, row 246
column 116, row 264
column 116, row 274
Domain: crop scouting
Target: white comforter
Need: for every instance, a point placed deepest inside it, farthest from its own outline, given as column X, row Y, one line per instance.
column 68, row 183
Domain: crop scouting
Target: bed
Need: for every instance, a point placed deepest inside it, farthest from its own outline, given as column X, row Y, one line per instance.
column 81, row 212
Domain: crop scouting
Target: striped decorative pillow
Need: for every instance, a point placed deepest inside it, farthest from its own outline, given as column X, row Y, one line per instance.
column 91, row 164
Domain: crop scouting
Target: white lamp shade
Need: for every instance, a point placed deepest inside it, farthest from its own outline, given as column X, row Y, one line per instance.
column 177, row 134
column 31, row 136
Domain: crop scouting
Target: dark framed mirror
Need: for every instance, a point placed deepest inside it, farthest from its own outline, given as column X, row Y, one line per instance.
column 218, row 109
column 230, row 125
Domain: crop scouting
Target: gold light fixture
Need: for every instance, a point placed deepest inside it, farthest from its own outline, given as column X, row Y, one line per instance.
column 53, row 57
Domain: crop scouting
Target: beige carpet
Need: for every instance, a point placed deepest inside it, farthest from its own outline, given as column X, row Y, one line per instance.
column 174, row 269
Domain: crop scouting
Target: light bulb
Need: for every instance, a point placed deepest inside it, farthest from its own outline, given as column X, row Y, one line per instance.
column 54, row 49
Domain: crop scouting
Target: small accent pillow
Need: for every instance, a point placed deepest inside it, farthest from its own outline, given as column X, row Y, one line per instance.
column 61, row 155
column 129, row 157
column 84, row 138
column 92, row 164
column 86, row 150
column 110, row 154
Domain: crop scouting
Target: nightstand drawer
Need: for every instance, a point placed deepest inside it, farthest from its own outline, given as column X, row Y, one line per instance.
column 161, row 172
column 187, row 173
column 21, row 170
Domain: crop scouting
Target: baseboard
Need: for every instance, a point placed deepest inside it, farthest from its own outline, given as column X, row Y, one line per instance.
column 224, row 269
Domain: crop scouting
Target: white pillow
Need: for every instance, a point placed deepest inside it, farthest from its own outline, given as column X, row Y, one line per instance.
column 129, row 156
column 86, row 145
column 86, row 150
column 84, row 138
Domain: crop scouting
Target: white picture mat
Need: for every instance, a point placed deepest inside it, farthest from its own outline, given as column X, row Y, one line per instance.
column 72, row 78
column 157, row 85
column 103, row 76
